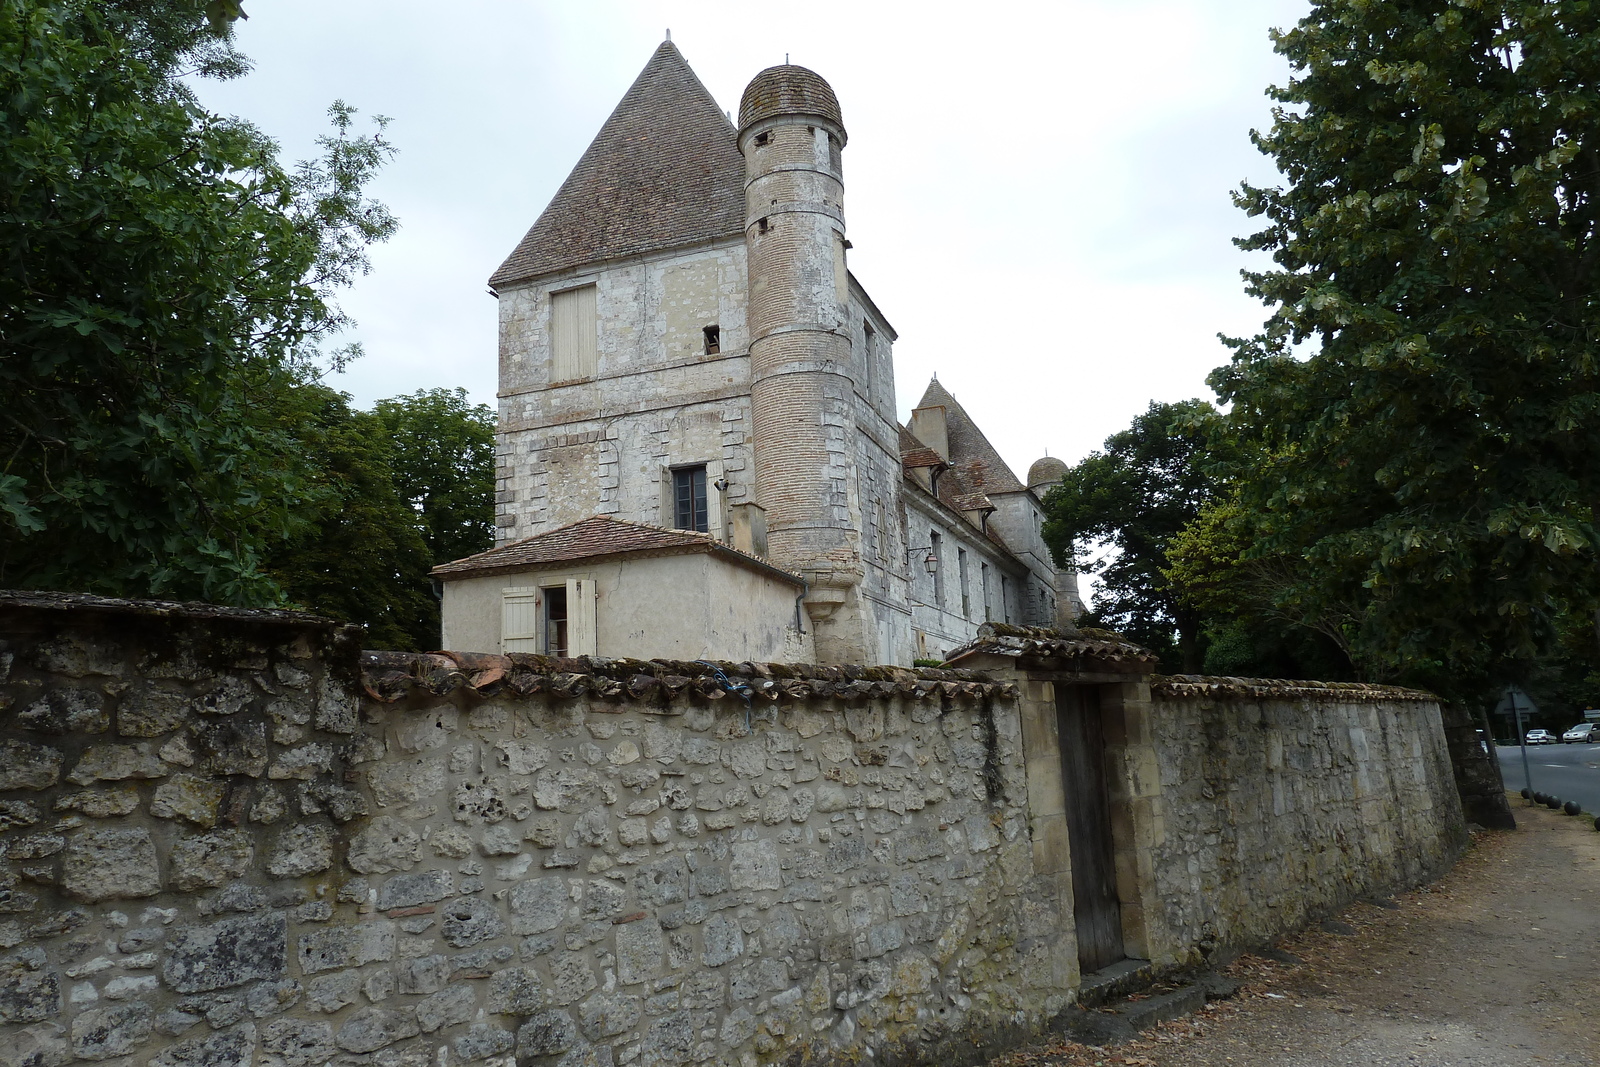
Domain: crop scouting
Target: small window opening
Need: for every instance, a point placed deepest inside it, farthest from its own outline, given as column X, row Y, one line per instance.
column 763, row 138
column 689, row 499
column 869, row 354
column 961, row 571
column 761, row 226
column 713, row 339
column 555, row 621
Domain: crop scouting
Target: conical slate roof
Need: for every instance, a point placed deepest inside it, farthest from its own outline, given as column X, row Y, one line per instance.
column 970, row 451
column 664, row 171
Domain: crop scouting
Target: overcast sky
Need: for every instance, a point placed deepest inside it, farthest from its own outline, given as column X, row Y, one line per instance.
column 1037, row 194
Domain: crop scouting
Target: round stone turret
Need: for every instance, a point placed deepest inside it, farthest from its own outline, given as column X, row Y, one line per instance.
column 799, row 317
column 1045, row 473
column 789, row 90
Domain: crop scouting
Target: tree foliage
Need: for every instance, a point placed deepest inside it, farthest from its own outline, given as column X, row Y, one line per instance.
column 1252, row 622
column 443, row 463
column 360, row 553
column 1426, row 392
column 1129, row 501
column 163, row 282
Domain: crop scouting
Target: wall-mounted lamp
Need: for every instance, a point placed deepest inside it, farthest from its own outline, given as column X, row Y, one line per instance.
column 721, row 485
column 930, row 562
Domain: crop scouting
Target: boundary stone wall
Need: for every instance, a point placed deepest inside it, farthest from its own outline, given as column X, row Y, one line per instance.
column 230, row 839
column 1287, row 800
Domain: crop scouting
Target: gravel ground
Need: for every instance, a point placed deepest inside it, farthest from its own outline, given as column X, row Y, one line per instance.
column 1495, row 965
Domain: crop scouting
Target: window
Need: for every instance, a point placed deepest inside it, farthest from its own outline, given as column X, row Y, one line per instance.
column 689, row 498
column 761, row 226
column 573, row 344
column 961, row 571
column 713, row 339
column 936, row 541
column 983, row 581
column 1005, row 599
column 762, row 139
column 555, row 621
column 868, row 354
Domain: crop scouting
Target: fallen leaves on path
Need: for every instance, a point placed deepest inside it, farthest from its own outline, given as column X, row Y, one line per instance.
column 1404, row 969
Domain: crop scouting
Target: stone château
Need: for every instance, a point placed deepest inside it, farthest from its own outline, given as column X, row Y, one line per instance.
column 699, row 451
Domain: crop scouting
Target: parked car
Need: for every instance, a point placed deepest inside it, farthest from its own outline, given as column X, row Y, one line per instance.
column 1585, row 732
column 1540, row 737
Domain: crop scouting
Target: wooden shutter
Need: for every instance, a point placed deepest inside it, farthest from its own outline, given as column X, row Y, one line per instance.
column 581, row 617
column 573, row 341
column 519, row 620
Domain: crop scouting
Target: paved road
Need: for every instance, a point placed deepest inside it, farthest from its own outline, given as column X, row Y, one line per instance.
column 1571, row 772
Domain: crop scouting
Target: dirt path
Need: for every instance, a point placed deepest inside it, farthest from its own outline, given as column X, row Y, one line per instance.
column 1496, row 965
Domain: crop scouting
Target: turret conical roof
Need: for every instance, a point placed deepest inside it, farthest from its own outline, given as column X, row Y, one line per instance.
column 664, row 171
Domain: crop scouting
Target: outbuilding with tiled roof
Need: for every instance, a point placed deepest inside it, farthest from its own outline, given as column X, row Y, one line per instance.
column 609, row 587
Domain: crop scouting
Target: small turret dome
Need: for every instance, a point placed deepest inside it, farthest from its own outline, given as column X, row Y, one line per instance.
column 788, row 90
column 1046, row 472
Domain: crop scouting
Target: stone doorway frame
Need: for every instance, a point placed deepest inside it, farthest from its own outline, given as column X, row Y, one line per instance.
column 1133, row 776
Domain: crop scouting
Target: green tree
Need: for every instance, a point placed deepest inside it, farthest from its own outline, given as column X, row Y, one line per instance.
column 360, row 553
column 443, row 462
column 1251, row 621
column 163, row 281
column 1427, row 385
column 1128, row 502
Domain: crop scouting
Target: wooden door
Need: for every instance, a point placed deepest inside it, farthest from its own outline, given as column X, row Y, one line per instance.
column 1096, row 911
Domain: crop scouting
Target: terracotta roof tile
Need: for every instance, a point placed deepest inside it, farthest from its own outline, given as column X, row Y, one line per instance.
column 422, row 678
column 1089, row 649
column 913, row 458
column 594, row 537
column 663, row 172
column 915, row 454
column 1195, row 686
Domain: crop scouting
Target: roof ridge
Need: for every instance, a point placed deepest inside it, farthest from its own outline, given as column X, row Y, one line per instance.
column 663, row 171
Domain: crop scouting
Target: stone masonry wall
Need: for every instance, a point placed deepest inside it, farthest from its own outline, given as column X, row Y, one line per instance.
column 1285, row 801
column 229, row 839
column 214, row 854
column 172, row 806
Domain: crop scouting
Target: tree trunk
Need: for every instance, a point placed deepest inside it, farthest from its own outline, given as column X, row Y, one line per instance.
column 1190, row 653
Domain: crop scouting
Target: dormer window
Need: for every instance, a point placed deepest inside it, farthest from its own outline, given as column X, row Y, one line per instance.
column 713, row 339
